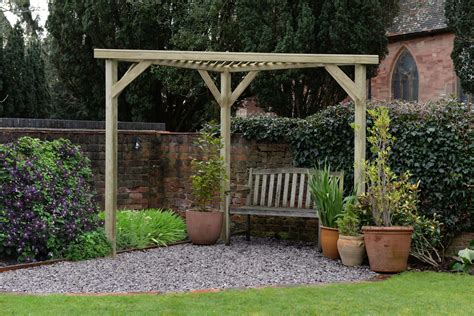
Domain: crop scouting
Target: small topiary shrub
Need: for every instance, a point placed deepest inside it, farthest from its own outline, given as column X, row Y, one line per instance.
column 46, row 198
column 433, row 140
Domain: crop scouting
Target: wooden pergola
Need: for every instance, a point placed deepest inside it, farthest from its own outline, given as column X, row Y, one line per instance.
column 224, row 63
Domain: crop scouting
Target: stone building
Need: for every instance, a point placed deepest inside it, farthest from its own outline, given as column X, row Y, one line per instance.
column 418, row 66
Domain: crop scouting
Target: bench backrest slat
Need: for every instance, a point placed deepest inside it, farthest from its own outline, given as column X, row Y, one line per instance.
column 301, row 190
column 285, row 190
column 255, row 189
column 278, row 190
column 270, row 190
column 282, row 187
column 263, row 196
column 294, row 182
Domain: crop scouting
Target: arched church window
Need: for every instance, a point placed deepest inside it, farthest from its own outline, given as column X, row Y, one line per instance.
column 405, row 78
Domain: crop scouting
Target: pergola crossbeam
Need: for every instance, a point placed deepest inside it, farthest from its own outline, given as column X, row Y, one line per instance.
column 338, row 59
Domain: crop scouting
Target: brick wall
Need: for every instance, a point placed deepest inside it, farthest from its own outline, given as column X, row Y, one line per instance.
column 459, row 242
column 432, row 54
column 157, row 173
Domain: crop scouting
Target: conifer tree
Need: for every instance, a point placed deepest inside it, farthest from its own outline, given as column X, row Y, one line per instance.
column 178, row 97
column 38, row 98
column 460, row 18
column 14, row 74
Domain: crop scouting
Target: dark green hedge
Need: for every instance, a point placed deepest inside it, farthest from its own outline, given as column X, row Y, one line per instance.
column 433, row 141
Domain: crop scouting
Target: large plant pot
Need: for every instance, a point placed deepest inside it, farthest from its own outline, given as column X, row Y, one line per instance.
column 351, row 249
column 388, row 248
column 204, row 228
column 329, row 238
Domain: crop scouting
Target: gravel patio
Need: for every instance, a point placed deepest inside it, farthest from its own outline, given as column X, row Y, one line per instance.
column 261, row 262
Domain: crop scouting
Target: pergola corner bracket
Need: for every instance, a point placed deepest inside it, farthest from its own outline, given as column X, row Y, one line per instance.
column 349, row 86
column 242, row 86
column 211, row 85
column 132, row 73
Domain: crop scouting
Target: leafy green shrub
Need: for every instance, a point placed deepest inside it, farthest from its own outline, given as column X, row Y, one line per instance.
column 349, row 223
column 465, row 260
column 46, row 198
column 432, row 140
column 89, row 245
column 143, row 228
column 208, row 172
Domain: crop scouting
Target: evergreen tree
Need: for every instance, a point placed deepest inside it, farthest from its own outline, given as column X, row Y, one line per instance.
column 324, row 27
column 460, row 18
column 2, row 92
column 38, row 98
column 178, row 97
column 14, row 74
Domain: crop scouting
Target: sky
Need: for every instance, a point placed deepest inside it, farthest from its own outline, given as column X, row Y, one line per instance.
column 39, row 8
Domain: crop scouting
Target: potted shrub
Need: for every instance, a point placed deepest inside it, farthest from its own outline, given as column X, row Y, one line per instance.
column 388, row 246
column 204, row 223
column 351, row 242
column 327, row 193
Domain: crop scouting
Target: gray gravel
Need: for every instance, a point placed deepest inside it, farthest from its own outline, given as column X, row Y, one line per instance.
column 186, row 267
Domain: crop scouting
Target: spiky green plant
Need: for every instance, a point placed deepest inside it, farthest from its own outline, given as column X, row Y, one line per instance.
column 328, row 196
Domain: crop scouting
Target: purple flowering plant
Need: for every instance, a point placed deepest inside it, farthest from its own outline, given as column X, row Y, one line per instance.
column 46, row 198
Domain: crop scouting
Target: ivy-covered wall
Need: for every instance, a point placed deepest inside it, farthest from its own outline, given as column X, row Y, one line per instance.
column 434, row 141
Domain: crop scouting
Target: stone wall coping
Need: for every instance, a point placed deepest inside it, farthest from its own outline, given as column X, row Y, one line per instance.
column 92, row 131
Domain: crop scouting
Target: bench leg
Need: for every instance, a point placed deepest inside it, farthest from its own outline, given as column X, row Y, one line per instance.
column 247, row 236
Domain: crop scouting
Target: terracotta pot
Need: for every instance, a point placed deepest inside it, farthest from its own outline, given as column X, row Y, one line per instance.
column 351, row 249
column 204, row 228
column 388, row 248
column 329, row 238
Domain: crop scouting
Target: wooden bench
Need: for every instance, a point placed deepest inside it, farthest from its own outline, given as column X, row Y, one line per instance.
column 279, row 192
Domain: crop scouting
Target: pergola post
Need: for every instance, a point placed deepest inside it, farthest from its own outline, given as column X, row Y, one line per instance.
column 111, row 116
column 226, row 93
column 360, row 128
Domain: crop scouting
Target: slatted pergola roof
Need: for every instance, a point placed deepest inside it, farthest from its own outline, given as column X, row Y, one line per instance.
column 224, row 63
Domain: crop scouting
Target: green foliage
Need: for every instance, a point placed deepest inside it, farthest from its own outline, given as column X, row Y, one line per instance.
column 283, row 26
column 179, row 97
column 460, row 19
column 386, row 192
column 23, row 88
column 140, row 229
column 328, row 196
column 46, row 198
column 209, row 171
column 89, row 245
column 465, row 259
column 427, row 243
column 432, row 140
column 349, row 223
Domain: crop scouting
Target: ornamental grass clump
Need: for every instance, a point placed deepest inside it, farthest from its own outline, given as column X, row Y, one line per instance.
column 46, row 198
column 209, row 172
column 143, row 228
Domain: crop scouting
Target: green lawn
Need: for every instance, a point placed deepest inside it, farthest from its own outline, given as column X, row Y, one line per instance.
column 422, row 293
